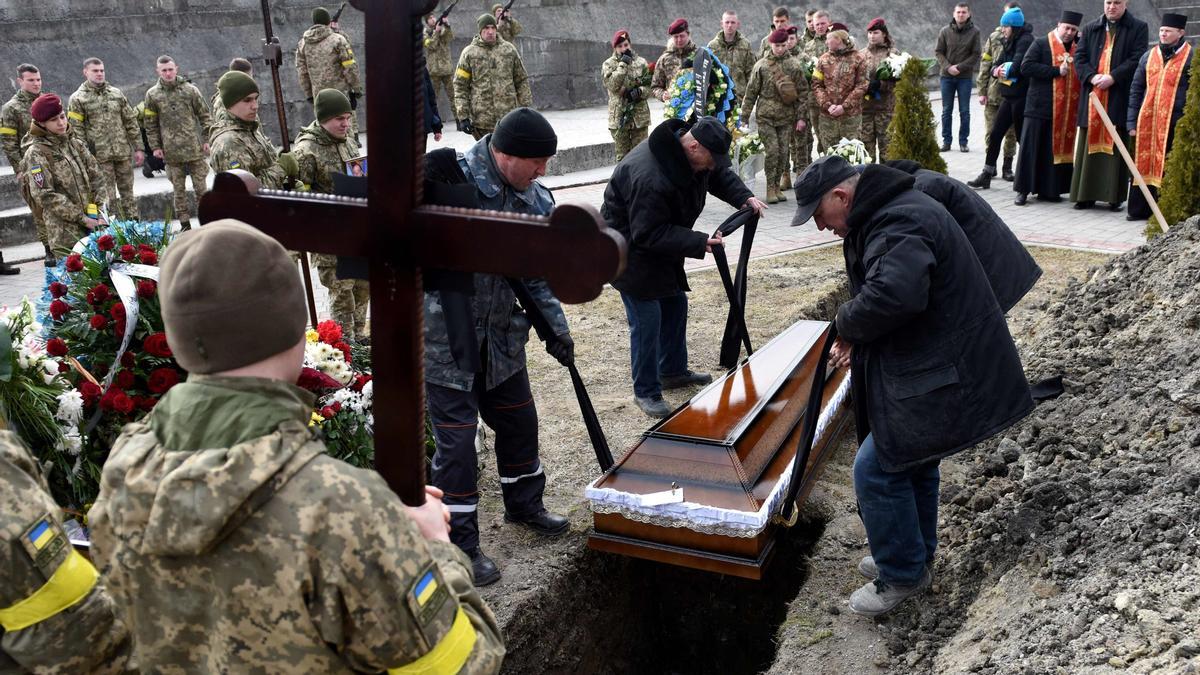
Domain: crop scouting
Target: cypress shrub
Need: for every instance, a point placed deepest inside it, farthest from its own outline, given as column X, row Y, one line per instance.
column 1180, row 194
column 912, row 131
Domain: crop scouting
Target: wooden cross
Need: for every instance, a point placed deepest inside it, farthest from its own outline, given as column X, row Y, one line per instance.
column 572, row 249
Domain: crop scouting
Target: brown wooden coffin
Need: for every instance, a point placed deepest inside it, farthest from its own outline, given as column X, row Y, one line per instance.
column 728, row 449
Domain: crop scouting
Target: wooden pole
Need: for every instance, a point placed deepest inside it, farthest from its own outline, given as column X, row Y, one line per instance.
column 1133, row 170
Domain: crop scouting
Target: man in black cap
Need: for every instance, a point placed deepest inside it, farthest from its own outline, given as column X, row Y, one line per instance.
column 933, row 367
column 653, row 199
column 503, row 167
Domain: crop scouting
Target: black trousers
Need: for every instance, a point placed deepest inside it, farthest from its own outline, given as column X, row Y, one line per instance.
column 1010, row 115
column 509, row 410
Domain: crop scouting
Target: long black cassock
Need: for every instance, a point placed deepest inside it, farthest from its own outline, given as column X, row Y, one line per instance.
column 1039, row 170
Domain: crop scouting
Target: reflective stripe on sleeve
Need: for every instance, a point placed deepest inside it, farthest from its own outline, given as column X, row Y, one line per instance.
column 462, row 73
column 447, row 656
column 8, row 131
column 69, row 584
column 77, row 116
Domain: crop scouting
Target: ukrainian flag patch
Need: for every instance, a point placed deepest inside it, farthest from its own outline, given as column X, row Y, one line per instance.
column 44, row 542
column 425, row 588
column 41, row 534
column 235, row 165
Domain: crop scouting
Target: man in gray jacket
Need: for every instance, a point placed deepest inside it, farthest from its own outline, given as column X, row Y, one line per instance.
column 958, row 51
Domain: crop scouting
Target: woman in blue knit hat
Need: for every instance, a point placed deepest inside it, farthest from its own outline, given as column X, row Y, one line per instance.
column 1018, row 35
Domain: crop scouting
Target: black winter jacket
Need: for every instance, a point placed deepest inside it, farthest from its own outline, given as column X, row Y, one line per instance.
column 1014, row 52
column 1137, row 91
column 934, row 367
column 653, row 200
column 1133, row 38
column 1039, row 68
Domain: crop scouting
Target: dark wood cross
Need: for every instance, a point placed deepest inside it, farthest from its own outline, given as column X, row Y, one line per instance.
column 572, row 249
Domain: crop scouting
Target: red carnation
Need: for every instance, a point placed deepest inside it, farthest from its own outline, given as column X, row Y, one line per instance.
column 148, row 257
column 315, row 381
column 145, row 247
column 56, row 347
column 125, row 379
column 90, row 392
column 155, row 344
column 329, row 332
column 59, row 309
column 106, row 242
column 118, row 401
column 57, row 289
column 98, row 294
column 360, row 381
column 128, row 359
column 162, row 379
column 98, row 321
column 146, row 288
column 128, row 253
column 117, row 312
column 345, row 349
column 74, row 263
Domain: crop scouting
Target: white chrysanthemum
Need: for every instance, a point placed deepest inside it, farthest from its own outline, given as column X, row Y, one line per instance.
column 71, row 443
column 368, row 394
column 70, row 407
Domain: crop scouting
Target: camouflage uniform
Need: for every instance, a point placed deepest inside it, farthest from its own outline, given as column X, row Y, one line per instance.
column 437, row 59
column 627, row 121
column 990, row 87
column 509, row 28
column 667, row 67
column 61, row 179
column 776, row 119
column 813, row 49
column 238, row 144
column 877, row 112
column 840, row 78
column 79, row 633
column 245, row 548
column 217, row 106
column 739, row 56
column 104, row 121
column 15, row 121
column 175, row 117
column 324, row 60
column 489, row 82
column 320, row 155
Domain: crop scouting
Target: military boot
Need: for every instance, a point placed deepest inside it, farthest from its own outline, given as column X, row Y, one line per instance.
column 783, row 189
column 772, row 195
column 1006, row 172
column 786, row 184
column 51, row 259
column 5, row 268
column 984, row 181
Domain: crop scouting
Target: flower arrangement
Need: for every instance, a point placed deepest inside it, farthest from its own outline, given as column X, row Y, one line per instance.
column 748, row 145
column 892, row 66
column 344, row 395
column 852, row 151
column 721, row 103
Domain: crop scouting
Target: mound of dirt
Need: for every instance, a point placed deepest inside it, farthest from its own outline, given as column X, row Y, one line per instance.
column 1070, row 544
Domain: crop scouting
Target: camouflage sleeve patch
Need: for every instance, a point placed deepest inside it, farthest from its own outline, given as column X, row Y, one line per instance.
column 445, row 627
column 44, row 541
column 37, row 175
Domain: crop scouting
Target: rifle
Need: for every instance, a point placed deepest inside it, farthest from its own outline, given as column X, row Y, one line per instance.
column 504, row 9
column 339, row 14
column 273, row 56
column 445, row 13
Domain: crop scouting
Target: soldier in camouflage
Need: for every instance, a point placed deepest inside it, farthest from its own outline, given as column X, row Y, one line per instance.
column 627, row 78
column 55, row 615
column 230, row 540
column 780, row 18
column 178, row 125
column 680, row 48
column 238, row 142
column 215, row 104
column 506, row 26
column 438, row 38
column 102, row 118
column 880, row 98
column 813, row 49
column 64, row 183
column 14, row 124
column 490, row 80
column 778, row 117
column 839, row 82
column 989, row 94
column 322, row 149
column 809, row 34
column 734, row 50
column 325, row 60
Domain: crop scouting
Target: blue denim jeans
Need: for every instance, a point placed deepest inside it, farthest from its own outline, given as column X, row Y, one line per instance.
column 657, row 340
column 962, row 87
column 899, row 511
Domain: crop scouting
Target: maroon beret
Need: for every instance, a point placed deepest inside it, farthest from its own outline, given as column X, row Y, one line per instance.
column 778, row 36
column 839, row 26
column 619, row 37
column 877, row 24
column 45, row 107
column 677, row 26
column 792, row 30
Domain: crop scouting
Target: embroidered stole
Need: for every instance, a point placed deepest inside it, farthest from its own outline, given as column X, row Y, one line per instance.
column 1154, row 119
column 1098, row 138
column 1066, row 102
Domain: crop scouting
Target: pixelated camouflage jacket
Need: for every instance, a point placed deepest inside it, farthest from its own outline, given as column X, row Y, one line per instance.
column 812, row 50
column 15, row 121
column 992, row 51
column 437, row 51
column 499, row 321
column 668, row 65
column 620, row 77
column 738, row 55
column 320, row 155
column 238, row 144
column 102, row 118
column 234, row 544
column 55, row 615
column 840, row 78
column 764, row 94
column 217, row 106
column 509, row 28
column 62, row 177
column 490, row 81
column 177, row 120
column 324, row 60
column 874, row 57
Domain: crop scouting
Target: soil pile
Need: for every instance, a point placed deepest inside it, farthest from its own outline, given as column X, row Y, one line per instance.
column 1070, row 542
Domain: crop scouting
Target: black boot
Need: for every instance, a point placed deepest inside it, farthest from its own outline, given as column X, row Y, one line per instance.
column 1022, row 199
column 5, row 268
column 51, row 260
column 1007, row 172
column 484, row 570
column 984, row 181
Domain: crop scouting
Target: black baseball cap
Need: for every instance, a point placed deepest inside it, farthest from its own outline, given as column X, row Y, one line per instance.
column 715, row 138
column 819, row 178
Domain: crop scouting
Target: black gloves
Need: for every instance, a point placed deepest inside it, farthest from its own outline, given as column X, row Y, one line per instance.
column 633, row 94
column 353, row 101
column 626, row 58
column 562, row 348
column 465, row 126
column 873, row 87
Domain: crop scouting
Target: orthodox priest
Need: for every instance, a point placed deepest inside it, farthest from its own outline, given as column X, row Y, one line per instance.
column 1156, row 100
column 1048, row 134
column 1105, row 59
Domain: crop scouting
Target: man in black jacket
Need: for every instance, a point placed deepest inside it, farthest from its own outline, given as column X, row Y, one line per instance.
column 653, row 199
column 1100, row 174
column 933, row 368
column 1013, row 87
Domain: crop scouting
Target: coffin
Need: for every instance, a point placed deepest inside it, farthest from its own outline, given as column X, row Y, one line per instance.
column 704, row 487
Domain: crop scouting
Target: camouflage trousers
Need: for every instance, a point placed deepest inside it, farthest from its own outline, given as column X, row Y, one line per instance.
column 63, row 236
column 1010, row 139
column 626, row 139
column 875, row 132
column 348, row 298
column 118, row 175
column 39, row 223
column 814, row 129
column 776, row 141
column 445, row 83
column 834, row 129
column 801, row 150
column 178, row 173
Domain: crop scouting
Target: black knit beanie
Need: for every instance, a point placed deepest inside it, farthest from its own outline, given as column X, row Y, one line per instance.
column 321, row 16
column 525, row 133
